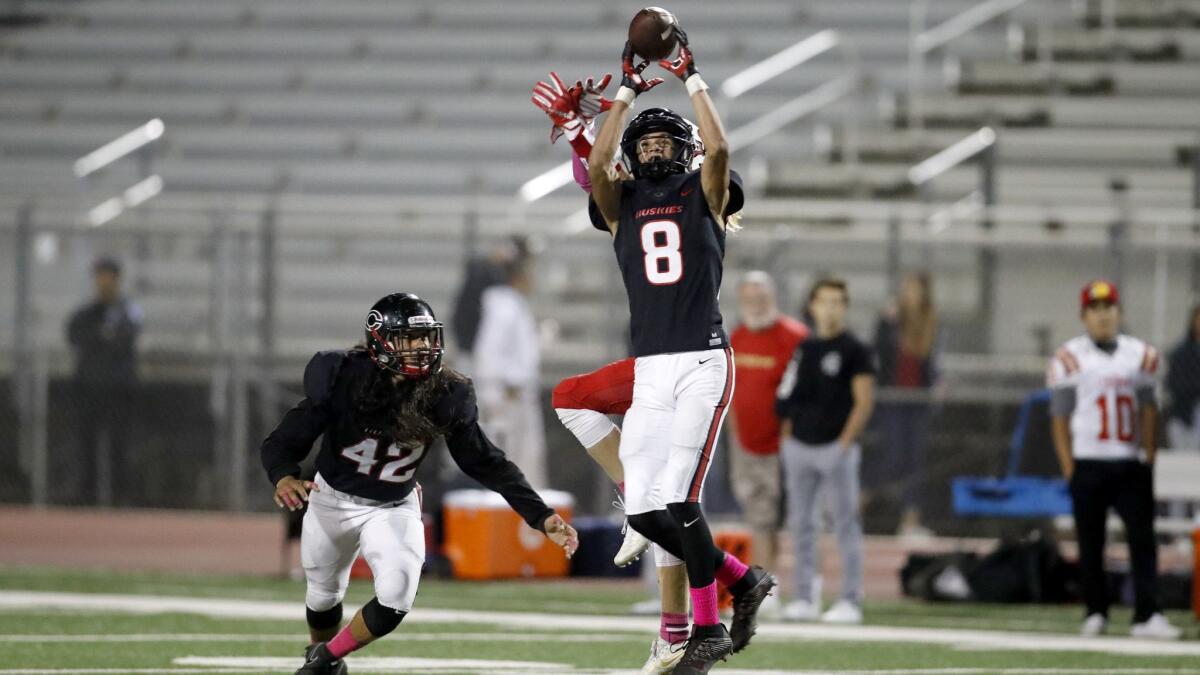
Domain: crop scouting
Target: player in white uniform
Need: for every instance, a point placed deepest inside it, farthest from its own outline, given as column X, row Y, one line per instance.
column 1105, row 418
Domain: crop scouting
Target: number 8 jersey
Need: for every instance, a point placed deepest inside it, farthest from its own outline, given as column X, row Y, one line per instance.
column 670, row 250
column 1104, row 423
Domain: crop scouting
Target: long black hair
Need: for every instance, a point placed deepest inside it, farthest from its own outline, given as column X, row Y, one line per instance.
column 400, row 408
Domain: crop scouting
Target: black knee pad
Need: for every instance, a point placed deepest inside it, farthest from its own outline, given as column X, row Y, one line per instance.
column 684, row 512
column 660, row 528
column 381, row 620
column 329, row 618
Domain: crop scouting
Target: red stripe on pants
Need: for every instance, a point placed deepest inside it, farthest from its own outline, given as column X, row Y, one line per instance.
column 713, row 427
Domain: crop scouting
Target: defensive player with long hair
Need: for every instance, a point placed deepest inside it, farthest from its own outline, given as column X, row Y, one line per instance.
column 379, row 409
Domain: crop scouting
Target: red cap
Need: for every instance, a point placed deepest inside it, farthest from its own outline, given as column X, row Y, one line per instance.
column 1099, row 291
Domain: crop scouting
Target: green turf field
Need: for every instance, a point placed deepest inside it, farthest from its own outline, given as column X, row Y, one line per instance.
column 466, row 628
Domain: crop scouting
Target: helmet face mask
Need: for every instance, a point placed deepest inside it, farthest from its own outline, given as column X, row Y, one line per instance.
column 404, row 337
column 658, row 121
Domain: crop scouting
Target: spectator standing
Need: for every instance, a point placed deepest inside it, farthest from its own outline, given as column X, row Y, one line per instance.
column 1104, row 421
column 906, row 342
column 825, row 400
column 103, row 335
column 508, row 372
column 1183, row 385
column 762, row 346
column 482, row 272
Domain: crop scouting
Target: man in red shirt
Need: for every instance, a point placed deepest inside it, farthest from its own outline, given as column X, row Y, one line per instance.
column 762, row 346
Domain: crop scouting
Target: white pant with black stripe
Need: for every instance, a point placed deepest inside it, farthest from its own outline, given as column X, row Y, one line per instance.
column 670, row 432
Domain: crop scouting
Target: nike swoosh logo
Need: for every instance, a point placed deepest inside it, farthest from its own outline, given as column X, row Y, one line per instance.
column 689, row 524
column 684, row 193
column 706, row 360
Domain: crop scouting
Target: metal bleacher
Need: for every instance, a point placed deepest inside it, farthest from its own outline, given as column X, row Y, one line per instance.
column 355, row 100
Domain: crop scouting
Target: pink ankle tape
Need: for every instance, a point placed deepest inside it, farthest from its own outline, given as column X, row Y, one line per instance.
column 704, row 605
column 343, row 643
column 731, row 571
column 673, row 628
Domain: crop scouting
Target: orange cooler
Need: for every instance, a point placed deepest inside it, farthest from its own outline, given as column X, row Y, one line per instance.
column 486, row 539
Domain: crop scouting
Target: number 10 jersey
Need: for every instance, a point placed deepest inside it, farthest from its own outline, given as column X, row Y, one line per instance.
column 670, row 251
column 1104, row 424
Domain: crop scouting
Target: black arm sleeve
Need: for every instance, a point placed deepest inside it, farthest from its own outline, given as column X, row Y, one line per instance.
column 292, row 440
column 290, row 443
column 480, row 459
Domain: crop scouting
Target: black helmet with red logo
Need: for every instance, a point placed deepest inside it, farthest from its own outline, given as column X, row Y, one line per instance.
column 659, row 120
column 404, row 336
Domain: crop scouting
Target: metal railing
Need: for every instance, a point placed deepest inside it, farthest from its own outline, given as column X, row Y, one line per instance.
column 235, row 347
column 924, row 40
column 738, row 85
column 148, row 187
column 29, row 380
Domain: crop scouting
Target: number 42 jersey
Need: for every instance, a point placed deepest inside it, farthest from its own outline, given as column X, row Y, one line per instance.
column 670, row 250
column 1108, row 387
column 360, row 460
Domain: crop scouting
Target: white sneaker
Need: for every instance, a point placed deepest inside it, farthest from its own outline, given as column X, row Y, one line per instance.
column 1094, row 625
column 633, row 546
column 1155, row 628
column 771, row 608
column 843, row 612
column 663, row 656
column 649, row 607
column 801, row 610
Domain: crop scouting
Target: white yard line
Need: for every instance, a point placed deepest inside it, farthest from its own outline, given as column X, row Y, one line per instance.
column 408, row 665
column 294, row 611
column 125, row 671
column 380, row 664
column 392, row 664
column 299, row 637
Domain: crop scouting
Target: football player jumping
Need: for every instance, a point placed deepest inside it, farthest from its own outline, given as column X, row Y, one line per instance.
column 583, row 402
column 379, row 409
column 668, row 226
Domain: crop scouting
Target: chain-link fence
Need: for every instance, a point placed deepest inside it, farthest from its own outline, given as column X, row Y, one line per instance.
column 161, row 399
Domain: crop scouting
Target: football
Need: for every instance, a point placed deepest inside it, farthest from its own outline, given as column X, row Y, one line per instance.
column 650, row 33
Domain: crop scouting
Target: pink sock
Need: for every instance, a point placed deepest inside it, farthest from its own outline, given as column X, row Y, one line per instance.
column 704, row 605
column 731, row 571
column 673, row 628
column 343, row 643
column 621, row 487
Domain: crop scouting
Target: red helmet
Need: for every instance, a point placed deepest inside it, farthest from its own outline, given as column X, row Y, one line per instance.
column 1099, row 291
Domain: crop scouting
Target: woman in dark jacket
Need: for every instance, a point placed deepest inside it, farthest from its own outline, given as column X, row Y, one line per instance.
column 906, row 342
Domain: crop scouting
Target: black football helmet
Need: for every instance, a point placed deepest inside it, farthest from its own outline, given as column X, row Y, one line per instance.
column 655, row 120
column 398, row 318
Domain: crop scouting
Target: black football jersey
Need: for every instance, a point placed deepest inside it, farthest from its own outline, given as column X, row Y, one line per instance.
column 671, row 253
column 363, row 461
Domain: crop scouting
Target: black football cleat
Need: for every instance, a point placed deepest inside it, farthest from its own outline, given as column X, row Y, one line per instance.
column 745, row 608
column 318, row 661
column 707, row 645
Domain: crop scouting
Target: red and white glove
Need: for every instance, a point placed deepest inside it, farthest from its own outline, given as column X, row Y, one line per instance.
column 632, row 82
column 591, row 97
column 563, row 107
column 554, row 99
column 684, row 65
